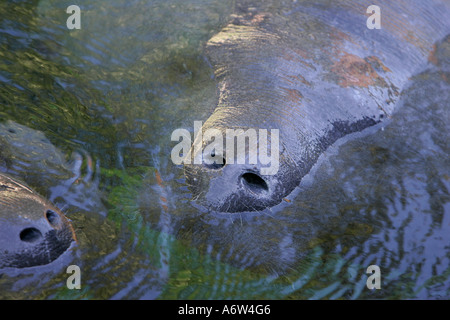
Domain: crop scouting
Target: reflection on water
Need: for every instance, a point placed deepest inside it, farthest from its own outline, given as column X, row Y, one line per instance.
column 101, row 103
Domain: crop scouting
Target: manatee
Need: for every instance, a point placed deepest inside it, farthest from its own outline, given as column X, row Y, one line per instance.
column 27, row 154
column 32, row 231
column 314, row 71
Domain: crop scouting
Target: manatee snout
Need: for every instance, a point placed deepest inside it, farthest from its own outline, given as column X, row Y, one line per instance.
column 33, row 232
column 48, row 225
column 242, row 181
column 27, row 243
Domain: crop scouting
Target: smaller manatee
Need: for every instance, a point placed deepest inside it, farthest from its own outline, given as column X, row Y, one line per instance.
column 33, row 232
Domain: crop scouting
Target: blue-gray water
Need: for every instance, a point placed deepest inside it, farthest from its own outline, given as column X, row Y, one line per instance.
column 86, row 117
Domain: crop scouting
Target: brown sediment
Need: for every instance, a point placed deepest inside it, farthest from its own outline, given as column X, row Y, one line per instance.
column 301, row 57
column 354, row 71
column 432, row 56
column 339, row 36
column 298, row 78
column 158, row 179
column 293, row 94
column 376, row 62
column 163, row 194
column 302, row 53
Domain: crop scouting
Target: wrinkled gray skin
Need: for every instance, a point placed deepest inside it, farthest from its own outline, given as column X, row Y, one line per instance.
column 33, row 232
column 314, row 71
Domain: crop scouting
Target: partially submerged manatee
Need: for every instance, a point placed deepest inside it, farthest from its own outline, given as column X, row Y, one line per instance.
column 33, row 232
column 314, row 71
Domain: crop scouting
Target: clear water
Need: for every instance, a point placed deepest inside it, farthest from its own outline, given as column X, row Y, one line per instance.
column 91, row 113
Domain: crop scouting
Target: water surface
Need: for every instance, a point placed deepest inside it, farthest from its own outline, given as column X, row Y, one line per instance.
column 86, row 117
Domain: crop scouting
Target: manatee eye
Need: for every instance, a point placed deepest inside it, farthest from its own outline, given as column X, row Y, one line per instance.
column 53, row 218
column 213, row 165
column 30, row 235
column 254, row 182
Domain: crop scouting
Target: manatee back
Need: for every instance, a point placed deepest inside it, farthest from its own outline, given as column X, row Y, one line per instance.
column 314, row 70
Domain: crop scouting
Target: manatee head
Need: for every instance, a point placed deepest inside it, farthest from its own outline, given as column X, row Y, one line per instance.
column 239, row 169
column 33, row 232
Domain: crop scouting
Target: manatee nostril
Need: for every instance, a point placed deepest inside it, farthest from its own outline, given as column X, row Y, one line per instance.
column 214, row 165
column 254, row 182
column 53, row 218
column 30, row 235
